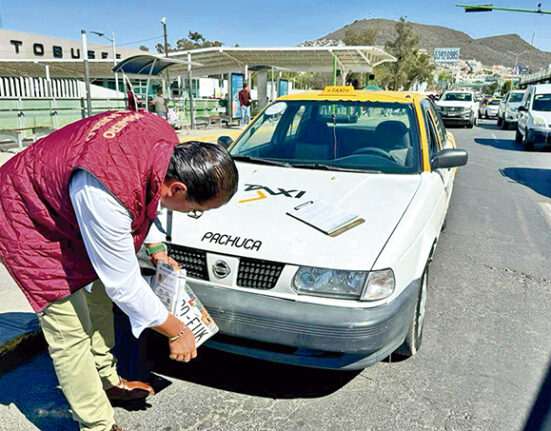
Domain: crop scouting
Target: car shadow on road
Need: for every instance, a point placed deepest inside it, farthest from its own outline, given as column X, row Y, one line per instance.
column 488, row 124
column 538, row 180
column 249, row 376
column 502, row 144
column 539, row 417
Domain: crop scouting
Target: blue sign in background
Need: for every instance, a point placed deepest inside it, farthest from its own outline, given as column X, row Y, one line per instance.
column 283, row 87
column 236, row 86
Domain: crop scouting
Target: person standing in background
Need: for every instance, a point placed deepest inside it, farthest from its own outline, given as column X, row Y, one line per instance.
column 159, row 104
column 245, row 103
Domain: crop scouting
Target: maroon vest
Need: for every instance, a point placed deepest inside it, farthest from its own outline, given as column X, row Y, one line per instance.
column 40, row 242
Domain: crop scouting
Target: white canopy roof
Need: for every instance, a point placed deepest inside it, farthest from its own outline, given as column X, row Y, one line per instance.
column 59, row 68
column 217, row 60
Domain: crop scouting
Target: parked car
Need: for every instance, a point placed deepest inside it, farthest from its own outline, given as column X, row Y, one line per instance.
column 282, row 290
column 491, row 107
column 458, row 107
column 534, row 116
column 508, row 109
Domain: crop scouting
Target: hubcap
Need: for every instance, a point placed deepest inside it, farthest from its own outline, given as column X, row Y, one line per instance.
column 422, row 305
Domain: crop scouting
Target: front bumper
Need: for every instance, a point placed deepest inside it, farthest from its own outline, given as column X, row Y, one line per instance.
column 539, row 136
column 306, row 334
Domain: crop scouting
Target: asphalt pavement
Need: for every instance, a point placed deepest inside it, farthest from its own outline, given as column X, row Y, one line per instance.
column 485, row 352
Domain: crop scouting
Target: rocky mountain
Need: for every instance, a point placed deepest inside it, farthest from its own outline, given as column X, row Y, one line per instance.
column 490, row 51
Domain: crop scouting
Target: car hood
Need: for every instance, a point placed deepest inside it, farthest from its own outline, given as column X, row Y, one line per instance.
column 256, row 215
column 546, row 115
column 454, row 103
column 513, row 105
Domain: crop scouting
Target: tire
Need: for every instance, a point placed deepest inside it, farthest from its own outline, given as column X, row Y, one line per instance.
column 414, row 336
column 470, row 124
column 527, row 143
column 500, row 122
column 505, row 125
column 518, row 137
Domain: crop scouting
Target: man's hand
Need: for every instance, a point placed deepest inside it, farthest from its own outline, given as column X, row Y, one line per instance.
column 162, row 256
column 183, row 348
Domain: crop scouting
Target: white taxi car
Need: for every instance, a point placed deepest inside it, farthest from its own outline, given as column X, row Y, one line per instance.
column 283, row 291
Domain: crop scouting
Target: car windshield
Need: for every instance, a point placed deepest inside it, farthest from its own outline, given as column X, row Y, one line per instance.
column 458, row 97
column 494, row 102
column 542, row 102
column 365, row 136
column 516, row 97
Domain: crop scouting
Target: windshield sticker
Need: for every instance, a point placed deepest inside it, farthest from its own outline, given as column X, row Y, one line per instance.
column 232, row 241
column 276, row 108
column 260, row 190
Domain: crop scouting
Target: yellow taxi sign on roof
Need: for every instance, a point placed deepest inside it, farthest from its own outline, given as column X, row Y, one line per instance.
column 338, row 90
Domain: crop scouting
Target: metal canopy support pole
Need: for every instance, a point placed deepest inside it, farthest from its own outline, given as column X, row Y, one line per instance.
column 262, row 87
column 334, row 69
column 52, row 95
column 273, row 95
column 191, row 107
column 115, row 61
column 86, row 74
column 147, row 87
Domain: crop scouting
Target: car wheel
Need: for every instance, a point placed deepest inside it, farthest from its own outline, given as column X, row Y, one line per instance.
column 470, row 124
column 528, row 142
column 412, row 343
column 505, row 125
column 500, row 122
column 518, row 137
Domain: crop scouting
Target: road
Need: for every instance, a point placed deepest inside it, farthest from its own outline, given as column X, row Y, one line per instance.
column 486, row 344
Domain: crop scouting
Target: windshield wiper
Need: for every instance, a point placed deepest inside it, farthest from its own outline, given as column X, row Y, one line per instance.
column 261, row 161
column 333, row 168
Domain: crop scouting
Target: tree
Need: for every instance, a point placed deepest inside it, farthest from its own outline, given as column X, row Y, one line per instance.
column 412, row 64
column 160, row 47
column 490, row 88
column 195, row 40
column 144, row 48
column 507, row 86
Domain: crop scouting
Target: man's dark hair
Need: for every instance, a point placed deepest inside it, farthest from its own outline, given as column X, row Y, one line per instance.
column 206, row 169
column 245, row 85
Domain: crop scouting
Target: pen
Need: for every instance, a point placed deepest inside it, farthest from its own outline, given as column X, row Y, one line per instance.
column 303, row 205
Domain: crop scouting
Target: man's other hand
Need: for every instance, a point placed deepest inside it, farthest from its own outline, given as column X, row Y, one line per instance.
column 183, row 348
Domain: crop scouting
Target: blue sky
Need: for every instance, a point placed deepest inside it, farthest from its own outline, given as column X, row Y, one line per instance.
column 259, row 23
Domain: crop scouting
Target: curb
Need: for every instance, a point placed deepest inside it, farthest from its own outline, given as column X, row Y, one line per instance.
column 20, row 339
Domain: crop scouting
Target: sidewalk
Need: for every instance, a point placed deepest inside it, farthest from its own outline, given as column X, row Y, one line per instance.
column 19, row 327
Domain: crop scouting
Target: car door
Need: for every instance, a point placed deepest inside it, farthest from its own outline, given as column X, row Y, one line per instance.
column 443, row 141
column 523, row 115
column 439, row 177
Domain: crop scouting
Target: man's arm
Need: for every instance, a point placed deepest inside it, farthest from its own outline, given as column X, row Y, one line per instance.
column 105, row 226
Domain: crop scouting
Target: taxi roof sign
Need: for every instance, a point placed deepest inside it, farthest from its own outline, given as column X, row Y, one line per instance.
column 338, row 90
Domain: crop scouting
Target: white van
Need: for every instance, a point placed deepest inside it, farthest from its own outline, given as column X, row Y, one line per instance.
column 534, row 116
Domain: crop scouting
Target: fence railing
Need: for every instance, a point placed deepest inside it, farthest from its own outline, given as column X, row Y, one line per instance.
column 22, row 117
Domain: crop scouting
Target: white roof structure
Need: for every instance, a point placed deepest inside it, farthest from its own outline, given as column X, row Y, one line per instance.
column 218, row 60
column 59, row 68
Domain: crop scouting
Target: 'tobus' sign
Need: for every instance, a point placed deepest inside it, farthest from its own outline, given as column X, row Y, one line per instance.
column 446, row 55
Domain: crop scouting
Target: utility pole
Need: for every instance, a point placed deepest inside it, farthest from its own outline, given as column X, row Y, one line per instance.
column 86, row 74
column 112, row 40
column 163, row 22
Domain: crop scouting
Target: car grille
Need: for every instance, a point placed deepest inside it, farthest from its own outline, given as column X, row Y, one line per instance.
column 258, row 274
column 252, row 273
column 194, row 261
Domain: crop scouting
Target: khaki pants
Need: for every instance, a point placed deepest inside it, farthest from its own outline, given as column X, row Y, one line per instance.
column 80, row 334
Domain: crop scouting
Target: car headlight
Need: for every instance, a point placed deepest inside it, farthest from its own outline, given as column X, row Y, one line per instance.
column 540, row 122
column 336, row 283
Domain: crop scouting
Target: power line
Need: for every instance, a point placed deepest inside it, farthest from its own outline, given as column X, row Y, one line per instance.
column 139, row 41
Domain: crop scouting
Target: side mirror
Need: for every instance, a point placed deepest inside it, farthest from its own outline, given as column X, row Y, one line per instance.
column 225, row 141
column 522, row 108
column 449, row 158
